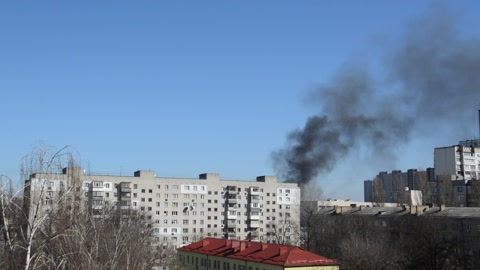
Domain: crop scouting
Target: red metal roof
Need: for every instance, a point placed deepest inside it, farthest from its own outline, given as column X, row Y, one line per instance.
column 288, row 256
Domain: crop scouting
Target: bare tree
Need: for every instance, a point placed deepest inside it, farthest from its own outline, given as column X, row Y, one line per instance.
column 425, row 187
column 378, row 191
column 366, row 252
column 473, row 193
column 283, row 230
column 48, row 198
column 311, row 195
column 445, row 191
column 398, row 186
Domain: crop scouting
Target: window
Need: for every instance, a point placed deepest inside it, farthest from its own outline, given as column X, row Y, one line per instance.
column 157, row 213
column 175, row 187
column 143, row 190
column 174, row 221
column 158, row 186
column 165, row 187
column 149, row 199
column 187, row 187
column 142, row 199
column 174, row 213
column 107, row 185
column 150, row 191
column 185, row 222
column 135, row 186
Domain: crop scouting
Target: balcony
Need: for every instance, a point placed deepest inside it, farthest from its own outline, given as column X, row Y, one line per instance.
column 231, row 200
column 232, row 223
column 125, row 187
column 231, row 235
column 254, row 224
column 96, row 185
column 254, row 191
column 126, row 196
column 232, row 190
column 231, row 215
column 232, row 206
column 255, row 199
column 255, row 207
column 97, row 198
column 254, row 234
column 254, row 215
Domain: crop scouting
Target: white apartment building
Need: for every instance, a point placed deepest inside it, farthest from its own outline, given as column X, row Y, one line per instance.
column 185, row 210
column 462, row 160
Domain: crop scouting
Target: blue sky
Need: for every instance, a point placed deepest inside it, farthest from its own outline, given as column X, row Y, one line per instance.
column 187, row 87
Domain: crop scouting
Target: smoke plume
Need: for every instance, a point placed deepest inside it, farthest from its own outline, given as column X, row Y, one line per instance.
column 429, row 77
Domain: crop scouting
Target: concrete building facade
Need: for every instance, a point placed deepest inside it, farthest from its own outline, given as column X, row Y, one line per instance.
column 185, row 210
column 462, row 160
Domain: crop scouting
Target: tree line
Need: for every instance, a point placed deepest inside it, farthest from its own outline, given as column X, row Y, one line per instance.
column 56, row 230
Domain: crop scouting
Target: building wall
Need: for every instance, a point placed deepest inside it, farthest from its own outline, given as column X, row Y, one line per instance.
column 457, row 160
column 185, row 210
column 368, row 190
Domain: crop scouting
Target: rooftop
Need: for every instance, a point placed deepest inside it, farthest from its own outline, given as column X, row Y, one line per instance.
column 424, row 210
column 284, row 255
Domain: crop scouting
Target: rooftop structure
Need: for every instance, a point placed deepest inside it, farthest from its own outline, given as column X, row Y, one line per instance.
column 235, row 254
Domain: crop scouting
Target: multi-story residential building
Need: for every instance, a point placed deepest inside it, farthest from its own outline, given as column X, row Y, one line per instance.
column 224, row 254
column 184, row 210
column 456, row 225
column 397, row 186
column 461, row 160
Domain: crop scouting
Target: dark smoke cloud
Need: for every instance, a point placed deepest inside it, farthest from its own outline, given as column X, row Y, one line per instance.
column 431, row 77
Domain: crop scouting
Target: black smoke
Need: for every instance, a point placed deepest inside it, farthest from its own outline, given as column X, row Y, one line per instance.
column 429, row 77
